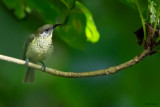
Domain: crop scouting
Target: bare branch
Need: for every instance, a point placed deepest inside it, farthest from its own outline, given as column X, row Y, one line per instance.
column 55, row 72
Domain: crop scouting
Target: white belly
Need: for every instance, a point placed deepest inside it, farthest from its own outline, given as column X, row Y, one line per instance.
column 39, row 49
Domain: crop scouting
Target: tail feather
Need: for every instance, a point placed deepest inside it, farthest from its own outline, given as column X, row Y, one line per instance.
column 29, row 77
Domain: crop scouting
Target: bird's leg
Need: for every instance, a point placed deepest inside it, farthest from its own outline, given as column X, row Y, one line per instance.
column 43, row 66
column 27, row 61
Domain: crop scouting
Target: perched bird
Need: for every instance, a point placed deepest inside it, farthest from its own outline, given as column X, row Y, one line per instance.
column 37, row 47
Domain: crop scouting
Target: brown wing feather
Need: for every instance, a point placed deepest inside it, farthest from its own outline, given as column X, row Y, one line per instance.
column 29, row 40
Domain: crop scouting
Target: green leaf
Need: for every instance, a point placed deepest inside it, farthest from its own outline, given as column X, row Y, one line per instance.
column 18, row 6
column 78, row 25
column 157, row 20
column 49, row 10
column 52, row 11
column 130, row 3
column 149, row 11
column 90, row 28
column 73, row 32
column 152, row 5
column 61, row 9
column 69, row 3
column 142, row 7
column 45, row 9
column 80, row 28
column 154, row 9
column 133, row 3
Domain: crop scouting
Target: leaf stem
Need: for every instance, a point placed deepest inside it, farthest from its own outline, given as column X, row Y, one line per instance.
column 157, row 16
column 142, row 19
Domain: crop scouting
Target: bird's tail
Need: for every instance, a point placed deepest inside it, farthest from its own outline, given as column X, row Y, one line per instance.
column 29, row 77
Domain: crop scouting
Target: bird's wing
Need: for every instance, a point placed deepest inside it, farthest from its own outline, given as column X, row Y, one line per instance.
column 29, row 40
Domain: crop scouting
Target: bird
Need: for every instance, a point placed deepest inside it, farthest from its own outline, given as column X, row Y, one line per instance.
column 37, row 48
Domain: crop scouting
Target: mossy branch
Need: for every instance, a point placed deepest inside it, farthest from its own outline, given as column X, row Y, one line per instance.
column 55, row 72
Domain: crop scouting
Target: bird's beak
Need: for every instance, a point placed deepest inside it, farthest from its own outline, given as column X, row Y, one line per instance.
column 54, row 26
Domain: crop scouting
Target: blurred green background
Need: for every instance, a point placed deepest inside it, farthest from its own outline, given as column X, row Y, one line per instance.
column 137, row 86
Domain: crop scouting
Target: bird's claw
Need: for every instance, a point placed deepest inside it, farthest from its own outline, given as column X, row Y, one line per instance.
column 27, row 62
column 43, row 67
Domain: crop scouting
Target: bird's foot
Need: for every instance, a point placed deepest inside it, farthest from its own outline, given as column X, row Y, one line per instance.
column 27, row 62
column 43, row 66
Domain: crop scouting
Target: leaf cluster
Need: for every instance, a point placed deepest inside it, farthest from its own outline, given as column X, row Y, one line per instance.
column 78, row 25
column 149, row 11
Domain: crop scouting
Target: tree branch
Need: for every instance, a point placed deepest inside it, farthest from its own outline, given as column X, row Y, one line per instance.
column 55, row 72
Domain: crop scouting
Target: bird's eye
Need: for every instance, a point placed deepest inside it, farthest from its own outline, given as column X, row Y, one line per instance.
column 46, row 30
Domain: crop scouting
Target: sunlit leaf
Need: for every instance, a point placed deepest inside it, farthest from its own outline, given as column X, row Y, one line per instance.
column 78, row 25
column 90, row 28
column 80, row 28
column 156, row 20
column 152, row 5
column 73, row 32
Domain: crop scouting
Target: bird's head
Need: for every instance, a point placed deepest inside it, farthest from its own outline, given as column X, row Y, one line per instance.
column 46, row 30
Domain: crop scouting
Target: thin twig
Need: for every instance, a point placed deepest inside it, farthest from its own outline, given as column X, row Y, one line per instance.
column 55, row 72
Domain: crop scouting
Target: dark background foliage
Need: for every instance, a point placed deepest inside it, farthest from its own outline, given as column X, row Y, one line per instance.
column 116, row 22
